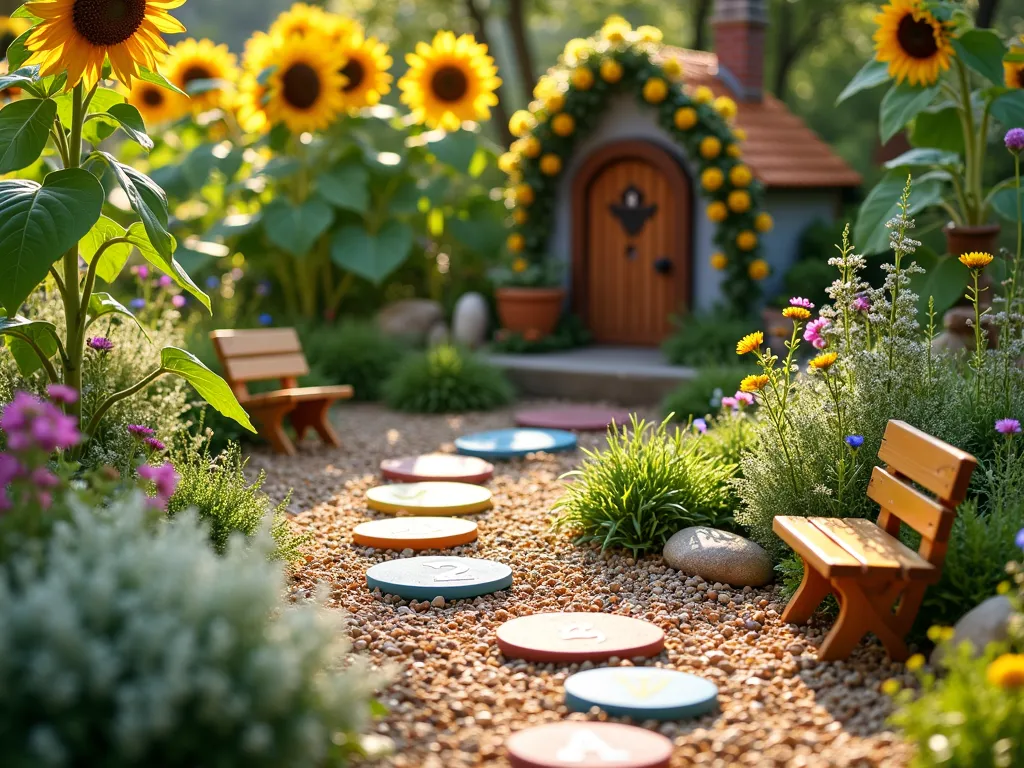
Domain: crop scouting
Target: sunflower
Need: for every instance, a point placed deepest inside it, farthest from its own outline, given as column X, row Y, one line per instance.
column 450, row 81
column 912, row 41
column 1013, row 70
column 193, row 60
column 301, row 20
column 366, row 71
column 155, row 104
column 79, row 36
column 305, row 91
column 11, row 30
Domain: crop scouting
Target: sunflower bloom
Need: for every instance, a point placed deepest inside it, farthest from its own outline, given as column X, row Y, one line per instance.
column 450, row 81
column 366, row 70
column 80, row 35
column 305, row 92
column 824, row 361
column 975, row 259
column 156, row 105
column 1013, row 71
column 754, row 383
column 1007, row 671
column 797, row 313
column 749, row 343
column 914, row 44
column 191, row 61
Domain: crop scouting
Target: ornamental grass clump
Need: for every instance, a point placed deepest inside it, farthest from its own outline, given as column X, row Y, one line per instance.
column 446, row 379
column 647, row 484
column 134, row 646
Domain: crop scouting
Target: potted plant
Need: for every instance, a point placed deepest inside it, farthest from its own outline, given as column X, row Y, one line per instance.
column 530, row 297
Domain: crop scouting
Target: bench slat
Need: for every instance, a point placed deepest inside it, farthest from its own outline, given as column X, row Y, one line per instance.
column 302, row 394
column 827, row 557
column 266, row 367
column 929, row 462
column 258, row 342
column 922, row 513
column 873, row 547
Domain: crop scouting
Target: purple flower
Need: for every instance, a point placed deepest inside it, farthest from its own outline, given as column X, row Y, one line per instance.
column 800, row 301
column 32, row 423
column 1020, row 538
column 1015, row 140
column 141, row 271
column 861, row 303
column 730, row 402
column 100, row 344
column 854, row 441
column 140, row 431
column 178, row 301
column 700, row 425
column 744, row 398
column 61, row 393
column 164, row 281
column 164, row 478
column 154, row 444
column 266, row 319
column 1008, row 427
column 10, row 468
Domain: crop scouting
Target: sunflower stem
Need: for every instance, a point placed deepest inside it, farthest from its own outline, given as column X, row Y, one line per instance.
column 73, row 309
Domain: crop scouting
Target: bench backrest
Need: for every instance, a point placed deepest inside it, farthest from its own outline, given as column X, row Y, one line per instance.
column 260, row 355
column 915, row 457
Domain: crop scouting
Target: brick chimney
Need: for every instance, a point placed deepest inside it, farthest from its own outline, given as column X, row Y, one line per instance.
column 739, row 34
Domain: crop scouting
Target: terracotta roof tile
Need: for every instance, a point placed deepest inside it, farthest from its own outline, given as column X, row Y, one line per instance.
column 781, row 149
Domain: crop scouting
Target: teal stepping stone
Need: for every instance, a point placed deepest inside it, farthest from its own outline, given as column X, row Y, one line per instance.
column 514, row 443
column 453, row 578
column 643, row 693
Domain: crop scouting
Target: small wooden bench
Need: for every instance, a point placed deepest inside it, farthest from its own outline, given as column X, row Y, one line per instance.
column 880, row 582
column 276, row 353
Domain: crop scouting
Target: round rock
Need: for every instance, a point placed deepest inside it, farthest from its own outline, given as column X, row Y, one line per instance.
column 643, row 693
column 453, row 578
column 442, row 467
column 415, row 533
column 716, row 555
column 573, row 637
column 574, row 744
column 433, row 498
column 514, row 443
column 579, row 418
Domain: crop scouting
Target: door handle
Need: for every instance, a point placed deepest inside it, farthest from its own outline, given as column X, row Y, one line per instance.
column 663, row 266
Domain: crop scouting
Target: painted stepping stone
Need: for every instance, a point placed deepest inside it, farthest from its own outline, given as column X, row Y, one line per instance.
column 574, row 744
column 572, row 637
column 643, row 693
column 429, row 498
column 415, row 533
column 580, row 418
column 439, row 467
column 453, row 578
column 514, row 443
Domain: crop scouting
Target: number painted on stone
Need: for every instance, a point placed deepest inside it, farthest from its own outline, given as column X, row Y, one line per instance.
column 585, row 747
column 643, row 688
column 457, row 574
column 582, row 632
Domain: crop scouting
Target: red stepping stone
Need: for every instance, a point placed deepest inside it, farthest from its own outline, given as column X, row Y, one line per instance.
column 574, row 637
column 578, row 418
column 575, row 744
column 443, row 467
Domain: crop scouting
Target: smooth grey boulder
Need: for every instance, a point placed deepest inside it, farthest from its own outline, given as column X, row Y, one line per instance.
column 470, row 320
column 988, row 622
column 716, row 555
column 411, row 319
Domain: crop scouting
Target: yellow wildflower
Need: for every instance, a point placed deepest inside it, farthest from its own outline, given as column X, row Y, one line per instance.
column 746, row 240
column 1003, row 588
column 563, row 124
column 712, row 179
column 554, row 102
column 1007, row 671
column 710, row 147
column 516, row 242
column 648, row 34
column 520, row 216
column 719, row 261
column 655, row 90
column 524, row 195
column 739, row 134
column 575, row 50
column 616, row 29
column 976, row 259
column 758, row 269
column 764, row 222
column 703, row 95
column 531, row 147
column 726, row 107
column 673, row 68
column 797, row 313
column 740, row 175
column 915, row 662
column 749, row 343
column 824, row 361
column 551, row 165
column 891, row 687
column 582, row 78
column 520, row 265
column 755, row 382
column 685, row 118
column 521, row 123
column 717, row 212
column 739, row 201
column 611, row 71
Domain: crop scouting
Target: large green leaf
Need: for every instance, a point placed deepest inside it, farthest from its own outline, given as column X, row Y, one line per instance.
column 982, row 50
column 147, row 200
column 129, row 119
column 114, row 258
column 211, row 387
column 149, row 76
column 938, row 129
column 296, row 228
column 1004, row 203
column 902, row 104
column 23, row 78
column 346, row 186
column 101, row 304
column 24, row 127
column 18, row 52
column 102, row 100
column 924, row 156
column 871, row 75
column 882, row 203
column 372, row 256
column 456, row 149
column 235, row 225
column 139, row 237
column 1008, row 109
column 44, row 335
column 38, row 224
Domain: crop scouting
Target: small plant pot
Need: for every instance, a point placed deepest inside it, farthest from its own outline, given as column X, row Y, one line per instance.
column 961, row 240
column 532, row 312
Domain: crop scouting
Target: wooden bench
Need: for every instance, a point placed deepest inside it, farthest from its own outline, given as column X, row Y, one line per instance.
column 276, row 353
column 880, row 582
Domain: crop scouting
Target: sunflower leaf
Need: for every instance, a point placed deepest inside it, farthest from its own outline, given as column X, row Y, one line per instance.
column 102, row 100
column 147, row 200
column 24, row 128
column 130, row 120
column 1008, row 109
column 211, row 387
column 373, row 257
column 148, row 76
column 346, row 186
column 982, row 51
column 101, row 304
column 113, row 259
column 296, row 228
column 18, row 52
column 871, row 75
column 902, row 104
column 20, row 332
column 138, row 236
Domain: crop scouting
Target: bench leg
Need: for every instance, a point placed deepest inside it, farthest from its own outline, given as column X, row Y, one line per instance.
column 858, row 615
column 314, row 415
column 812, row 590
column 272, row 428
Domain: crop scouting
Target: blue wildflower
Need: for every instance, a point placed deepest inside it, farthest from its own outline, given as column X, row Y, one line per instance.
column 854, row 441
column 212, row 282
column 1020, row 538
column 137, row 304
column 266, row 319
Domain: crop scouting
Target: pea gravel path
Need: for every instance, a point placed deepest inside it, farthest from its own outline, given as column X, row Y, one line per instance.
column 455, row 698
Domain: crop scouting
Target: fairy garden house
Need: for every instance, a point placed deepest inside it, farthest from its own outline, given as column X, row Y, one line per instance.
column 667, row 197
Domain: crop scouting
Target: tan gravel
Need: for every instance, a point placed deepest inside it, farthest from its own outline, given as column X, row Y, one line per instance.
column 456, row 698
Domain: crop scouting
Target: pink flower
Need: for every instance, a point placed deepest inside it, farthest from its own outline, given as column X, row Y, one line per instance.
column 730, row 402
column 164, row 281
column 861, row 304
column 31, row 423
column 1008, row 427
column 164, row 477
column 141, row 271
column 813, row 332
column 745, row 398
column 60, row 393
column 800, row 301
column 140, row 431
column 10, row 468
column 178, row 301
column 99, row 344
column 154, row 445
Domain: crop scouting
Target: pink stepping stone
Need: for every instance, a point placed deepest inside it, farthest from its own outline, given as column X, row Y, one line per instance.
column 441, row 467
column 577, row 418
column 571, row 744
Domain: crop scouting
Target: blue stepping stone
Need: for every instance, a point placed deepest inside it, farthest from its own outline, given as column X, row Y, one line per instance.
column 514, row 443
column 453, row 578
column 643, row 693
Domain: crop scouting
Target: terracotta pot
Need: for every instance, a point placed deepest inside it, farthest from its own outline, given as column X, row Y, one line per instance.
column 776, row 328
column 533, row 312
column 961, row 240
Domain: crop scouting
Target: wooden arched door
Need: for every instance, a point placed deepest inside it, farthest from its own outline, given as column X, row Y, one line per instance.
column 632, row 242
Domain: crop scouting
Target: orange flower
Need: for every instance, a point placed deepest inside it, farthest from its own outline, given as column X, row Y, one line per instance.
column 749, row 343
column 796, row 313
column 754, row 383
column 824, row 361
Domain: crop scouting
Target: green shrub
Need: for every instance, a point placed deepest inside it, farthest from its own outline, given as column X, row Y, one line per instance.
column 647, row 484
column 354, row 353
column 219, row 491
column 730, row 437
column 704, row 340
column 570, row 334
column 138, row 647
column 702, row 395
column 446, row 379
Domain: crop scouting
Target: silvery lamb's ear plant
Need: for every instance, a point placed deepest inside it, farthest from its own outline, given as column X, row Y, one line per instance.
column 48, row 231
column 133, row 647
